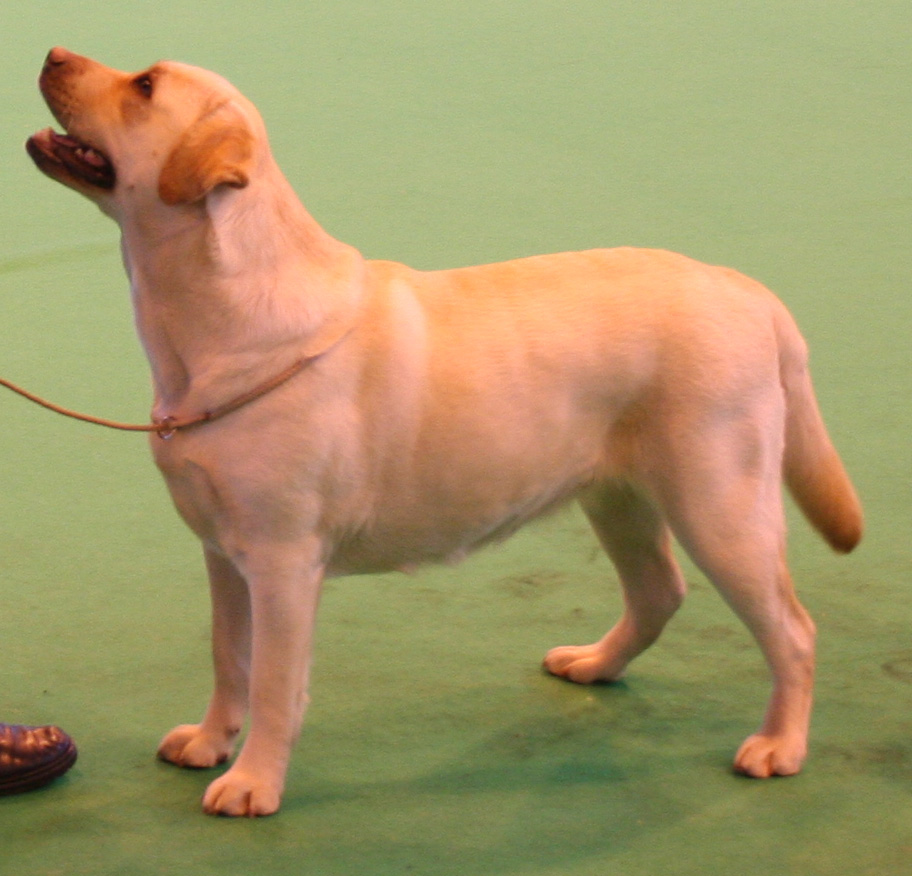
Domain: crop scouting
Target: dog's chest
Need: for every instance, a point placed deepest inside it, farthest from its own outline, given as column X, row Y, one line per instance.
column 192, row 490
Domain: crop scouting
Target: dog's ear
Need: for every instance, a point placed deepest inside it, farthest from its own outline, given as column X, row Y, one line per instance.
column 217, row 150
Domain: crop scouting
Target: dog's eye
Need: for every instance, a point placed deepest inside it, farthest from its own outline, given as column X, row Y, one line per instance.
column 143, row 85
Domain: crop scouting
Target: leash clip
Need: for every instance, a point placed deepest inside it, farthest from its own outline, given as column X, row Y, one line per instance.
column 165, row 428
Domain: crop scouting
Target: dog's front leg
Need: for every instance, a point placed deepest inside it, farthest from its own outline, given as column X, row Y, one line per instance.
column 212, row 741
column 283, row 601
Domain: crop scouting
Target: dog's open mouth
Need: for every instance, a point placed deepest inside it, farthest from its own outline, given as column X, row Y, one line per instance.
column 60, row 152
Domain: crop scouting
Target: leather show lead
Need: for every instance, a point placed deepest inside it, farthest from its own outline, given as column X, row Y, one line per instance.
column 167, row 426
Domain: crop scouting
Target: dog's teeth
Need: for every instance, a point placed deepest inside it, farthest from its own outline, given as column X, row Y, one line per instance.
column 90, row 156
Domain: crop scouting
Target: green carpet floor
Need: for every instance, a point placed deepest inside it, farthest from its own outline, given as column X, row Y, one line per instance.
column 771, row 136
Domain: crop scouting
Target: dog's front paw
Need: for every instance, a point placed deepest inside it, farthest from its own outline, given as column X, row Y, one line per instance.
column 240, row 794
column 762, row 756
column 190, row 745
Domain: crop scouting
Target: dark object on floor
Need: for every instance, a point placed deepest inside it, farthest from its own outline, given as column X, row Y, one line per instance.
column 30, row 757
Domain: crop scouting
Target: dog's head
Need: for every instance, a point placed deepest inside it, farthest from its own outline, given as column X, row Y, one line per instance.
column 173, row 132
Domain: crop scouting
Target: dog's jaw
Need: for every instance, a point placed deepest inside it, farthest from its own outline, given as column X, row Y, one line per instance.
column 71, row 162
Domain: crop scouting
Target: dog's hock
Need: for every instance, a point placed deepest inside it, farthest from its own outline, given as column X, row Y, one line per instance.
column 217, row 150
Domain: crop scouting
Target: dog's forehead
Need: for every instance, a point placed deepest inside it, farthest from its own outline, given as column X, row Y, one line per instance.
column 199, row 90
column 188, row 76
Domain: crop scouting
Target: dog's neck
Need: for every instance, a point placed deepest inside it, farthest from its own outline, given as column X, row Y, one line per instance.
column 239, row 286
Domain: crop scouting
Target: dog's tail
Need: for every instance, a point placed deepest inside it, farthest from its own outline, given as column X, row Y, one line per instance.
column 812, row 468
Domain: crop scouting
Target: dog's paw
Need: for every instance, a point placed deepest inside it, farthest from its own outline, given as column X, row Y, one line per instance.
column 240, row 794
column 190, row 745
column 762, row 756
column 583, row 664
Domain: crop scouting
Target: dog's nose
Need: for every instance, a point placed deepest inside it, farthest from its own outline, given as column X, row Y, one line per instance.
column 55, row 59
column 58, row 57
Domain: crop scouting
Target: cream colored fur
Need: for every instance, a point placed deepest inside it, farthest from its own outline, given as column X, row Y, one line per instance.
column 443, row 411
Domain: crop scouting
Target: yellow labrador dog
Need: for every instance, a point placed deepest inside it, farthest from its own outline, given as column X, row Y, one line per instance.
column 380, row 417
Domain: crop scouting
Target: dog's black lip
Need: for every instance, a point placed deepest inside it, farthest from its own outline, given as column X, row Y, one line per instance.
column 81, row 161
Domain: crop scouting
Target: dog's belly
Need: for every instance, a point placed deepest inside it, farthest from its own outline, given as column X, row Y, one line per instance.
column 441, row 506
column 440, row 534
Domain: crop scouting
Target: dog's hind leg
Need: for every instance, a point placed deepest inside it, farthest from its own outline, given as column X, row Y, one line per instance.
column 723, row 498
column 749, row 570
column 638, row 541
column 212, row 741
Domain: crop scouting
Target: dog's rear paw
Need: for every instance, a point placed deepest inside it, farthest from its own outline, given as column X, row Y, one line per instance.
column 762, row 756
column 583, row 664
column 239, row 794
column 190, row 745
